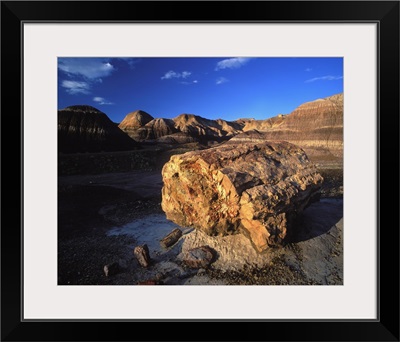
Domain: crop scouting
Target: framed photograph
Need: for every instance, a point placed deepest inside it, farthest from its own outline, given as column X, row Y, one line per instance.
column 184, row 165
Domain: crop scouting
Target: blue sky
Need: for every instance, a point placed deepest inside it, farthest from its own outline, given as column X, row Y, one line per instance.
column 226, row 87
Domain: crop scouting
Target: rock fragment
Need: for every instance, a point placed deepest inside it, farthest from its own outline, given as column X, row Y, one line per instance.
column 111, row 269
column 150, row 282
column 142, row 255
column 199, row 257
column 171, row 238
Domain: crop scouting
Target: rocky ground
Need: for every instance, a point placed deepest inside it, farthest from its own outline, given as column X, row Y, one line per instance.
column 103, row 217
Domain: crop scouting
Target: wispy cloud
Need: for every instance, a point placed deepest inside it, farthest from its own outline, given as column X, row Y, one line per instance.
column 308, row 69
column 102, row 101
column 232, row 63
column 84, row 73
column 324, row 78
column 173, row 74
column 221, row 80
column 76, row 87
column 130, row 61
column 192, row 82
column 90, row 68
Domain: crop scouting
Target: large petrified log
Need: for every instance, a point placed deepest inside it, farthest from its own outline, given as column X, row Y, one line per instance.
column 255, row 189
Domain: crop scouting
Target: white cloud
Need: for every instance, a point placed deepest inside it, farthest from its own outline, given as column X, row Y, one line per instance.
column 221, row 80
column 195, row 81
column 324, row 78
column 172, row 74
column 75, row 87
column 231, row 63
column 308, row 69
column 101, row 101
column 90, row 68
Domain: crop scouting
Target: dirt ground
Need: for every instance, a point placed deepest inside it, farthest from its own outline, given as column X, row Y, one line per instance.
column 102, row 217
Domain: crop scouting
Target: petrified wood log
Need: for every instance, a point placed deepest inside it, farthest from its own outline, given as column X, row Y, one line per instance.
column 255, row 189
column 171, row 238
column 142, row 255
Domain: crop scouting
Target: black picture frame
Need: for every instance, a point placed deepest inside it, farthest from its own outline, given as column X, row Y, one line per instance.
column 384, row 13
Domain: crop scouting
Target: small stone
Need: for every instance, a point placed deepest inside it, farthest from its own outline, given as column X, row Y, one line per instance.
column 200, row 257
column 142, row 255
column 171, row 238
column 151, row 282
column 201, row 271
column 111, row 269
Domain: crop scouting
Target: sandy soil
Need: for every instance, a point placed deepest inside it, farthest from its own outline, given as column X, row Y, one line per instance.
column 103, row 217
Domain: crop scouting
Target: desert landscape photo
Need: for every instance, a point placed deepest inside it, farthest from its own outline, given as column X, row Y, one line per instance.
column 200, row 171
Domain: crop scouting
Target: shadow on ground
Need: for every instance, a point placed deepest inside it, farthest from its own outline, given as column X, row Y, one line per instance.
column 317, row 219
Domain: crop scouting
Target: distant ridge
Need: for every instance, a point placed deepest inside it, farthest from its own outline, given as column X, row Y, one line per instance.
column 83, row 128
column 134, row 120
column 316, row 126
column 82, row 108
column 141, row 126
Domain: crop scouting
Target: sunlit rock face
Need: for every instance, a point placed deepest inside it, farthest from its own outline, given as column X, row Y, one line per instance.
column 154, row 129
column 254, row 189
column 314, row 126
column 200, row 127
column 133, row 121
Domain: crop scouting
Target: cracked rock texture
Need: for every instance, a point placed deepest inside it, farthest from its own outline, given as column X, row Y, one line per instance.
column 253, row 189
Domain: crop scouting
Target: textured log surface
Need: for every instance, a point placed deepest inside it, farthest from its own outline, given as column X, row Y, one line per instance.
column 142, row 254
column 254, row 189
column 171, row 238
